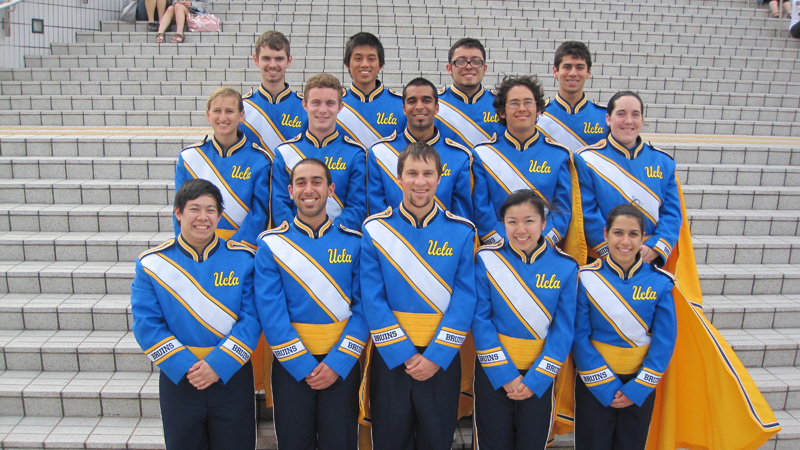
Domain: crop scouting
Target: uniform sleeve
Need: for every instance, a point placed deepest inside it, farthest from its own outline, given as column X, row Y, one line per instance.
column 346, row 352
column 669, row 219
column 151, row 331
column 559, row 339
column 181, row 176
column 462, row 191
column 664, row 332
column 354, row 210
column 390, row 339
column 281, row 203
column 592, row 368
column 558, row 222
column 257, row 219
column 490, row 230
column 456, row 321
column 235, row 349
column 593, row 220
column 490, row 352
column 375, row 190
column 273, row 314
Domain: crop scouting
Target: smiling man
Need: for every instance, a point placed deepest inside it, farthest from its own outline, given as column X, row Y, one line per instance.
column 308, row 298
column 273, row 113
column 194, row 316
column 454, row 192
column 571, row 119
column 371, row 111
column 418, row 287
column 521, row 159
column 465, row 106
column 346, row 159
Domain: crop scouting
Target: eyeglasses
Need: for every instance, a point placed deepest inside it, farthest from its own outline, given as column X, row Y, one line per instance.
column 515, row 104
column 461, row 63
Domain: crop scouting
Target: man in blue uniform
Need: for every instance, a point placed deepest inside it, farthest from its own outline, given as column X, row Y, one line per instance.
column 465, row 106
column 371, row 111
column 194, row 316
column 346, row 158
column 571, row 119
column 454, row 193
column 273, row 113
column 307, row 291
column 418, row 291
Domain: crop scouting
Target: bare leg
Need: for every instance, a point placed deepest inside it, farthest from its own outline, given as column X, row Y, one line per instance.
column 166, row 19
column 162, row 6
column 150, row 6
column 180, row 17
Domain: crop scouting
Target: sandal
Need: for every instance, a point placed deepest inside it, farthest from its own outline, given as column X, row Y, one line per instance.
column 177, row 39
column 160, row 38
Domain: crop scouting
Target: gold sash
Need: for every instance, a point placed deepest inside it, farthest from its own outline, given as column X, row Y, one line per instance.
column 200, row 352
column 523, row 352
column 622, row 360
column 420, row 328
column 319, row 339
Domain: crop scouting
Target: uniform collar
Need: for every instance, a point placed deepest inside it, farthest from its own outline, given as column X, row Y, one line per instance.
column 426, row 220
column 637, row 265
column 187, row 249
column 582, row 103
column 521, row 145
column 368, row 97
column 241, row 140
column 306, row 229
column 464, row 97
column 628, row 153
column 282, row 95
column 319, row 144
column 411, row 139
column 540, row 250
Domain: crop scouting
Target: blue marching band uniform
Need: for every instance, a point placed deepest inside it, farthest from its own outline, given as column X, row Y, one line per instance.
column 418, row 291
column 369, row 117
column 189, row 306
column 307, row 286
column 473, row 119
column 644, row 176
column 241, row 173
column 523, row 325
column 508, row 165
column 454, row 192
column 269, row 121
column 575, row 127
column 347, row 162
column 625, row 331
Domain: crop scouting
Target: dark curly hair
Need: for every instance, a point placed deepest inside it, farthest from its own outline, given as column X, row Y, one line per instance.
column 501, row 97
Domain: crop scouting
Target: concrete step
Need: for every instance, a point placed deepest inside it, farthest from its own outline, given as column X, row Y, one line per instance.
column 86, row 218
column 762, row 348
column 751, row 175
column 72, row 351
column 126, row 168
column 66, row 277
column 745, row 224
column 95, row 312
column 732, row 249
column 90, row 192
column 741, row 197
column 752, row 311
column 99, row 247
column 749, row 279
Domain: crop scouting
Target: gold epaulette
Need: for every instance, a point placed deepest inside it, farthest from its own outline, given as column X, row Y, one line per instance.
column 284, row 227
column 164, row 245
column 563, row 253
column 659, row 150
column 263, row 151
column 455, row 144
column 197, row 144
column 381, row 215
column 664, row 272
column 236, row 245
column 352, row 141
column 463, row 220
column 249, row 94
column 552, row 141
column 602, row 143
column 593, row 266
column 350, row 230
column 494, row 246
column 391, row 137
column 442, row 90
column 393, row 92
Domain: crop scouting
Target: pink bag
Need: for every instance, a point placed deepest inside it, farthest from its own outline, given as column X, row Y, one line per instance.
column 202, row 22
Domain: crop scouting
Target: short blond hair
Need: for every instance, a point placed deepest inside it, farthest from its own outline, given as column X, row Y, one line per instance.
column 226, row 92
column 323, row 80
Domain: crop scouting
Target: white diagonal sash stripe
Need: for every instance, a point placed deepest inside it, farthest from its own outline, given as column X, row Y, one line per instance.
column 528, row 308
column 386, row 156
column 317, row 281
column 472, row 133
column 625, row 183
column 270, row 136
column 559, row 132
column 197, row 300
column 614, row 308
column 437, row 293
column 511, row 180
column 200, row 167
column 292, row 156
column 357, row 126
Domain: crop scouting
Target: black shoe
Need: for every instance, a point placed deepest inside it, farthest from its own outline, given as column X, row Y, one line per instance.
column 152, row 26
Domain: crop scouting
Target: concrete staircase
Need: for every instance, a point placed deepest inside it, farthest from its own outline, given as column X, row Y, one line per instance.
column 89, row 136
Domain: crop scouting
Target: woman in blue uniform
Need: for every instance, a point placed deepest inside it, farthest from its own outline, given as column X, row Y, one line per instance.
column 625, row 331
column 523, row 328
column 624, row 169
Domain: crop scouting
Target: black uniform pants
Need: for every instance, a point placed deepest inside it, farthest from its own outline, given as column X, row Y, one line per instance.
column 504, row 424
column 308, row 419
column 220, row 417
column 599, row 427
column 413, row 415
